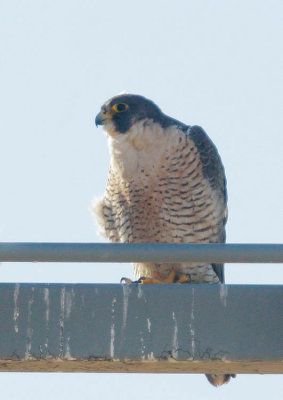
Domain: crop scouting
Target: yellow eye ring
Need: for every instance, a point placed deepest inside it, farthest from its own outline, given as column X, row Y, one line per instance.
column 120, row 107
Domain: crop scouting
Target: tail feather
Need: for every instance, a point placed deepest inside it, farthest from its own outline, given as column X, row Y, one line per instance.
column 217, row 380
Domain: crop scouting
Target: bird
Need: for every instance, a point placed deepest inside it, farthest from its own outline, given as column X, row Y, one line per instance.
column 166, row 184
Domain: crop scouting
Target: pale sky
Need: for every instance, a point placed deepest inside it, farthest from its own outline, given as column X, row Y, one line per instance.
column 217, row 64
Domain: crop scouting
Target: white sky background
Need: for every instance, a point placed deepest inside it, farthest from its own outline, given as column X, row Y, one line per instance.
column 217, row 64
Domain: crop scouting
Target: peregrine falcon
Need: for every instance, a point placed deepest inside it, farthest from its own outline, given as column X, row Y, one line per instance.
column 166, row 184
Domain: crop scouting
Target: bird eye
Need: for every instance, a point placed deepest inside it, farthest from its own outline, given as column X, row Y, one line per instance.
column 120, row 107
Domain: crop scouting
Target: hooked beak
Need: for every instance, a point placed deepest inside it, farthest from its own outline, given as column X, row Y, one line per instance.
column 101, row 118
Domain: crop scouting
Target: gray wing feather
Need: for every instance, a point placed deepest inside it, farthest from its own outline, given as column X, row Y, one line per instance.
column 213, row 171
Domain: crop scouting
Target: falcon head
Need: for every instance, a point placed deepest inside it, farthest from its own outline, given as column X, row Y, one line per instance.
column 121, row 112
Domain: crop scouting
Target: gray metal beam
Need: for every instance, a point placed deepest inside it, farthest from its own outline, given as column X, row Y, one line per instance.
column 141, row 328
column 141, row 252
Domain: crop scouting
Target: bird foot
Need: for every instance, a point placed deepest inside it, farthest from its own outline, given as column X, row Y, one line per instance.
column 141, row 280
column 173, row 277
column 127, row 280
column 185, row 278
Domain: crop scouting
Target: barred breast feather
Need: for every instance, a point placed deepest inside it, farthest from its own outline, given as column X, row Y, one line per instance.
column 165, row 185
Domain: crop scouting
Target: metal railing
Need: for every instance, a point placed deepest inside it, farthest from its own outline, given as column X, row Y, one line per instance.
column 121, row 328
column 141, row 252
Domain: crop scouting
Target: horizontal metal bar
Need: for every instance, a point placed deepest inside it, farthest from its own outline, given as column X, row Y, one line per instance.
column 141, row 252
column 141, row 328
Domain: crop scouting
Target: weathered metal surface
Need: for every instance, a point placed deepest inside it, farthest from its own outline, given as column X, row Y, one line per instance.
column 148, row 328
column 141, row 252
column 162, row 366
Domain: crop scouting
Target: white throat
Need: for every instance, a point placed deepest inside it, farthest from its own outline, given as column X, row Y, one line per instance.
column 140, row 148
